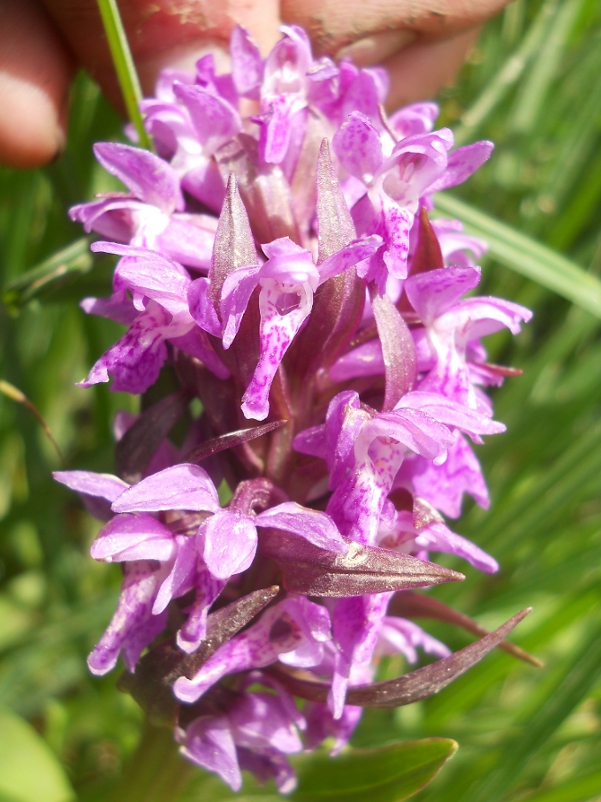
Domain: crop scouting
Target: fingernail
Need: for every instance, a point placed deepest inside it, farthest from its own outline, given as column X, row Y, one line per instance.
column 376, row 47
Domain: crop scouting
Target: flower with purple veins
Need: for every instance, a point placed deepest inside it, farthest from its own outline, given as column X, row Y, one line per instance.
column 324, row 302
column 152, row 215
column 393, row 184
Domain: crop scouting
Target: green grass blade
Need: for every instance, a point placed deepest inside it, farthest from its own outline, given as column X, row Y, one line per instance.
column 548, row 63
column 569, row 691
column 580, row 789
column 509, row 74
column 124, row 66
column 54, row 272
column 526, row 256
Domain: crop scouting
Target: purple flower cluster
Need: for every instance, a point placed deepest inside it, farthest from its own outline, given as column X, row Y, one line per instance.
column 277, row 280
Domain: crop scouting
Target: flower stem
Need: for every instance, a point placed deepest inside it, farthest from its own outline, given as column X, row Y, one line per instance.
column 155, row 772
column 124, row 66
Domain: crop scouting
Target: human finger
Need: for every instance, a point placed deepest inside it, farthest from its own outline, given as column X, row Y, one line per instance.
column 35, row 71
column 162, row 33
column 336, row 24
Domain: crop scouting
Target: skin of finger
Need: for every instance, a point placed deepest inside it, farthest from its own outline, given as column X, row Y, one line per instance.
column 420, row 70
column 333, row 24
column 35, row 71
column 162, row 33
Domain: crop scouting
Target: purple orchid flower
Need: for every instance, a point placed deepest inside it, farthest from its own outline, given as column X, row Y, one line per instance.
column 292, row 631
column 287, row 282
column 231, row 611
column 152, row 214
column 255, row 733
column 159, row 289
column 417, row 166
column 283, row 92
column 452, row 323
column 228, row 538
column 190, row 124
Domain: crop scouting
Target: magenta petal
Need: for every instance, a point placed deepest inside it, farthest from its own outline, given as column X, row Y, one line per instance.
column 247, row 64
column 358, row 148
column 366, row 93
column 136, row 359
column 417, row 430
column 438, row 537
column 436, row 291
column 196, row 343
column 397, row 225
column 418, row 118
column 133, row 537
column 344, row 422
column 104, row 485
column 187, row 242
column 316, row 527
column 230, row 543
column 445, row 410
column 182, row 487
column 278, row 328
column 133, row 626
column 366, row 360
column 462, row 163
column 262, row 722
column 180, row 578
column 444, row 485
column 118, row 308
column 209, row 744
column 235, row 295
column 149, row 178
column 398, row 635
column 276, row 131
column 194, row 630
column 158, row 278
column 201, row 307
column 279, row 630
column 488, row 315
column 214, row 120
column 350, row 255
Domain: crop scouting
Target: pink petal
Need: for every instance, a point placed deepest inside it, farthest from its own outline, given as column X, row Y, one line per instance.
column 182, row 487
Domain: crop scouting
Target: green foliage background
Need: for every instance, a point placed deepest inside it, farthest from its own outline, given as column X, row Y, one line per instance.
column 532, row 85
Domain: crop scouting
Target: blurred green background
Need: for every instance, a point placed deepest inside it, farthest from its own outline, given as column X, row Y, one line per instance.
column 533, row 85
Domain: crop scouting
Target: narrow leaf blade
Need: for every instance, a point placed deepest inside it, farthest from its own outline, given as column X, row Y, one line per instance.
column 527, row 257
column 124, row 66
column 387, row 774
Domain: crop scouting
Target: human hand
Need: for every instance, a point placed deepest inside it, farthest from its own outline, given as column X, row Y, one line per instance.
column 421, row 43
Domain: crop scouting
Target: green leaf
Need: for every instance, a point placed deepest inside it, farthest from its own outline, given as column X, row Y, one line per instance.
column 124, row 66
column 580, row 789
column 53, row 273
column 29, row 771
column 581, row 673
column 508, row 75
column 388, row 774
column 526, row 256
